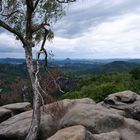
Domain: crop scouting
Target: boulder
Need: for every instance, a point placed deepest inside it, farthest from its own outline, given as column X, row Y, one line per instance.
column 85, row 121
column 17, row 108
column 70, row 133
column 120, row 98
column 4, row 114
column 80, row 133
column 126, row 101
column 95, row 118
column 17, row 126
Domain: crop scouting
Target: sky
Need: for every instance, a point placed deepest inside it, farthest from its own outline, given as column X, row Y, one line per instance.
column 91, row 29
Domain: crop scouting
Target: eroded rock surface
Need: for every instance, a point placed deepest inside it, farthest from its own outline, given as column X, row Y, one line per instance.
column 126, row 101
column 96, row 119
column 116, row 118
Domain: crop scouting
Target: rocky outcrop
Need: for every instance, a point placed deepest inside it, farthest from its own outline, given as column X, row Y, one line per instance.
column 80, row 133
column 95, row 118
column 9, row 110
column 17, row 126
column 4, row 114
column 17, row 108
column 122, row 97
column 116, row 118
column 127, row 101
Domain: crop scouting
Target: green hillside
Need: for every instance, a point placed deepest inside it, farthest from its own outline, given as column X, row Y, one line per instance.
column 100, row 86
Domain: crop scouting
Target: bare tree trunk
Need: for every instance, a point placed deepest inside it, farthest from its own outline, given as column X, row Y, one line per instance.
column 34, row 128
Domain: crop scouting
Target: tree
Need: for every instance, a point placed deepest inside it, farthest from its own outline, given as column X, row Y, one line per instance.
column 29, row 21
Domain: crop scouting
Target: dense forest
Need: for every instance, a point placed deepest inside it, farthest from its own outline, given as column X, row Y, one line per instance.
column 77, row 78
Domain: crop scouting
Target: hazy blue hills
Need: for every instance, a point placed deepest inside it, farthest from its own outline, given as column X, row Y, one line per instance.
column 11, row 60
column 72, row 61
column 120, row 66
column 76, row 67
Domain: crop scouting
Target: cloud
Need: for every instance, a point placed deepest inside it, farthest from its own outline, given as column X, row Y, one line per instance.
column 91, row 14
column 90, row 29
column 9, row 47
column 118, row 38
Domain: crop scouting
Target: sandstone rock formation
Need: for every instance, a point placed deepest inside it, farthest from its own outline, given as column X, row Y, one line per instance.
column 17, row 108
column 116, row 118
column 127, row 101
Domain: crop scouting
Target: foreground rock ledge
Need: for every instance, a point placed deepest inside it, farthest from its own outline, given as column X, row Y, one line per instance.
column 16, row 127
column 82, row 120
column 80, row 133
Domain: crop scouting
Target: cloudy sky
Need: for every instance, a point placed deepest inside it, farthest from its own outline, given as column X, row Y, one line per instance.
column 90, row 29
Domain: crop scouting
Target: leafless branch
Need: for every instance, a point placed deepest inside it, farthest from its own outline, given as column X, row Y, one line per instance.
column 43, row 50
column 55, row 82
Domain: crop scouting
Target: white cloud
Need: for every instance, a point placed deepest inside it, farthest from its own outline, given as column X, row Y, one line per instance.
column 92, row 29
column 116, row 38
column 7, row 39
column 9, row 47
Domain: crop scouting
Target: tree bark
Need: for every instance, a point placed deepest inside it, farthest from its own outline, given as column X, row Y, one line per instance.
column 34, row 128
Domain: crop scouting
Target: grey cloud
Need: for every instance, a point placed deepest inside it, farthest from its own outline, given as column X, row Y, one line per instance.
column 1, row 30
column 81, row 51
column 11, row 52
column 77, row 22
column 8, row 49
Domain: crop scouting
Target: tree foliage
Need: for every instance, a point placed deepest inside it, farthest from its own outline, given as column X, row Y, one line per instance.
column 14, row 14
column 100, row 86
column 27, row 20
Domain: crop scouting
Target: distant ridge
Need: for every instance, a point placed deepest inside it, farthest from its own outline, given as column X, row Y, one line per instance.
column 121, row 66
column 11, row 60
column 69, row 60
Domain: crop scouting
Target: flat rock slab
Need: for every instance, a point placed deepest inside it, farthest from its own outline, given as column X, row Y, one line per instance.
column 4, row 114
column 17, row 108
